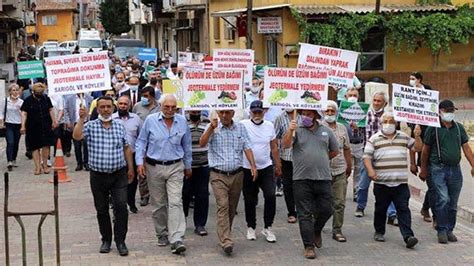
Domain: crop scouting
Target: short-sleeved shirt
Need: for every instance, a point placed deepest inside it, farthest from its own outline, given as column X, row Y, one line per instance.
column 389, row 157
column 311, row 153
column 226, row 146
column 38, row 112
column 105, row 145
column 260, row 137
column 143, row 111
column 338, row 163
column 450, row 141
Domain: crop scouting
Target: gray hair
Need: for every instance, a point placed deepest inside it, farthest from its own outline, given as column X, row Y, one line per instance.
column 331, row 103
column 388, row 114
column 380, row 93
column 352, row 89
column 12, row 86
column 167, row 96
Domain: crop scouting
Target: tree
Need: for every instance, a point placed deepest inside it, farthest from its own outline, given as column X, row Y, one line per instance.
column 114, row 16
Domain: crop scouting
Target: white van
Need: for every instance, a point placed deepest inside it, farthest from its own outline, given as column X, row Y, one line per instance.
column 89, row 38
column 71, row 45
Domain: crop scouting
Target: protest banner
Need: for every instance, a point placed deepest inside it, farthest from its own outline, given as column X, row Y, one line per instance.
column 416, row 106
column 269, row 25
column 147, row 54
column 71, row 74
column 372, row 87
column 339, row 63
column 353, row 112
column 190, row 61
column 30, row 69
column 175, row 87
column 213, row 89
column 235, row 59
column 296, row 88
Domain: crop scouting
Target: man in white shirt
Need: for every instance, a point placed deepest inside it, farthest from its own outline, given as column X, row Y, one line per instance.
column 263, row 138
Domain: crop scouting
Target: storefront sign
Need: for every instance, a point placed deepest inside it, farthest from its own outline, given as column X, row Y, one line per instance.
column 268, row 25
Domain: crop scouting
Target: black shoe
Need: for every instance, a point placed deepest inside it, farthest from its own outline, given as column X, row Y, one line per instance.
column 79, row 167
column 411, row 241
column 145, row 201
column 178, row 247
column 105, row 247
column 86, row 167
column 122, row 249
column 29, row 155
column 68, row 154
column 200, row 230
column 392, row 221
column 359, row 213
column 442, row 237
column 228, row 249
column 133, row 209
column 452, row 237
column 10, row 168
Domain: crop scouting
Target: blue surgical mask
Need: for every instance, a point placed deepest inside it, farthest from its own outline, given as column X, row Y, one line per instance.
column 134, row 88
column 144, row 101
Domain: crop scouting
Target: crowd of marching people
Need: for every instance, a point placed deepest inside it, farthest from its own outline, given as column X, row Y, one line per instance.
column 133, row 136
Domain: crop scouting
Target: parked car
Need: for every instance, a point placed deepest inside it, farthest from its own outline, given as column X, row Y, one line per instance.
column 50, row 43
column 45, row 52
column 69, row 44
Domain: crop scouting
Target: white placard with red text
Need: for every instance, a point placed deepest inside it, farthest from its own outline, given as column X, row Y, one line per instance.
column 416, row 106
column 213, row 89
column 71, row 74
column 269, row 25
column 296, row 88
column 339, row 63
column 235, row 59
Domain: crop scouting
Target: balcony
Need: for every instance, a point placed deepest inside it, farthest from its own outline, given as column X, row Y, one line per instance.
column 10, row 4
column 170, row 5
column 180, row 3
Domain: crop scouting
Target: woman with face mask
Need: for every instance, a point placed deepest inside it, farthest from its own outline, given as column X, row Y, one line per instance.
column 38, row 123
column 416, row 80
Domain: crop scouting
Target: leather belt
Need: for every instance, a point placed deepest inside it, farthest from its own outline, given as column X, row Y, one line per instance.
column 226, row 173
column 155, row 162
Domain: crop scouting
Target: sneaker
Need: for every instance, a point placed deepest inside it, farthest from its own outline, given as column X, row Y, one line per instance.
column 228, row 249
column 200, row 230
column 49, row 163
column 251, row 234
column 178, row 247
column 279, row 192
column 411, row 241
column 269, row 235
column 359, row 213
column 442, row 238
column 379, row 237
column 14, row 164
column 163, row 241
column 452, row 237
column 392, row 221
column 309, row 253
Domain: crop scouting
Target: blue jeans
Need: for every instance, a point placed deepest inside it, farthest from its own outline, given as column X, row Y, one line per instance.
column 447, row 183
column 363, row 192
column 13, row 140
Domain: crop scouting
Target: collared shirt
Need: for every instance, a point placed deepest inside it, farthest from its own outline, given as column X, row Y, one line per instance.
column 143, row 111
column 78, row 107
column 58, row 106
column 199, row 153
column 389, row 157
column 374, row 120
column 105, row 145
column 282, row 123
column 338, row 163
column 13, row 115
column 133, row 124
column 163, row 144
column 449, row 140
column 226, row 146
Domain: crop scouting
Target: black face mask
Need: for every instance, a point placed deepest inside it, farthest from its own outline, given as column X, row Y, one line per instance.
column 122, row 113
column 38, row 94
column 153, row 81
column 194, row 118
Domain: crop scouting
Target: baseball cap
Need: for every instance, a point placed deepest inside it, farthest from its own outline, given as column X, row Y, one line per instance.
column 447, row 105
column 256, row 105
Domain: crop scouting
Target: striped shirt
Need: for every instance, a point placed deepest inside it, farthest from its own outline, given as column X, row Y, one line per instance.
column 282, row 123
column 199, row 153
column 389, row 157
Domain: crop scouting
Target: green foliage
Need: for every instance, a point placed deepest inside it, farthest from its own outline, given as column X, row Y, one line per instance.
column 408, row 30
column 114, row 16
column 470, row 81
column 431, row 2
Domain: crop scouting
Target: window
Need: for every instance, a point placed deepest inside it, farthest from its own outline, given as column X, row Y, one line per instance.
column 229, row 29
column 373, row 51
column 217, row 28
column 50, row 20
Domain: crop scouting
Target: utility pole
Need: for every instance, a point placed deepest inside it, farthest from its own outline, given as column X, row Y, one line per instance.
column 80, row 14
column 377, row 7
column 249, row 24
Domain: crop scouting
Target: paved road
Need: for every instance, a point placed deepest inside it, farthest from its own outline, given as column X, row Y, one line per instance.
column 80, row 237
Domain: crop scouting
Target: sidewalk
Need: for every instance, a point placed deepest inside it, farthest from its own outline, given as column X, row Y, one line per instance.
column 80, row 237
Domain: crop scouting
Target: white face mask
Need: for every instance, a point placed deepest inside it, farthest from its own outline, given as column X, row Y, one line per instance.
column 330, row 118
column 447, row 117
column 105, row 119
column 254, row 89
column 352, row 99
column 412, row 82
column 289, row 110
column 388, row 129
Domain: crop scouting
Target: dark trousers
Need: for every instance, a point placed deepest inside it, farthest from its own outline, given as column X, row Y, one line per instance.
column 287, row 178
column 198, row 187
column 132, row 187
column 250, row 190
column 13, row 140
column 114, row 184
column 80, row 150
column 313, row 200
column 66, row 141
column 430, row 197
column 400, row 196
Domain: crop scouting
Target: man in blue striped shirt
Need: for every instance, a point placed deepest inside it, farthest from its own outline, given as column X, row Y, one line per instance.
column 164, row 144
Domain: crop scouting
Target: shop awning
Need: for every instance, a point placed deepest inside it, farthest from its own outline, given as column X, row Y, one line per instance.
column 362, row 9
column 238, row 12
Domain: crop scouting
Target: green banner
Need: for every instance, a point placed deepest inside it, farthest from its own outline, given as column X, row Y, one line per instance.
column 30, row 69
column 353, row 112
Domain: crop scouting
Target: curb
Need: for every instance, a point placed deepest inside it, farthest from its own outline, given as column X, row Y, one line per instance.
column 465, row 213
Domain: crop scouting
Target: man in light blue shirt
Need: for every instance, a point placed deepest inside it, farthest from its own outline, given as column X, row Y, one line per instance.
column 165, row 144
